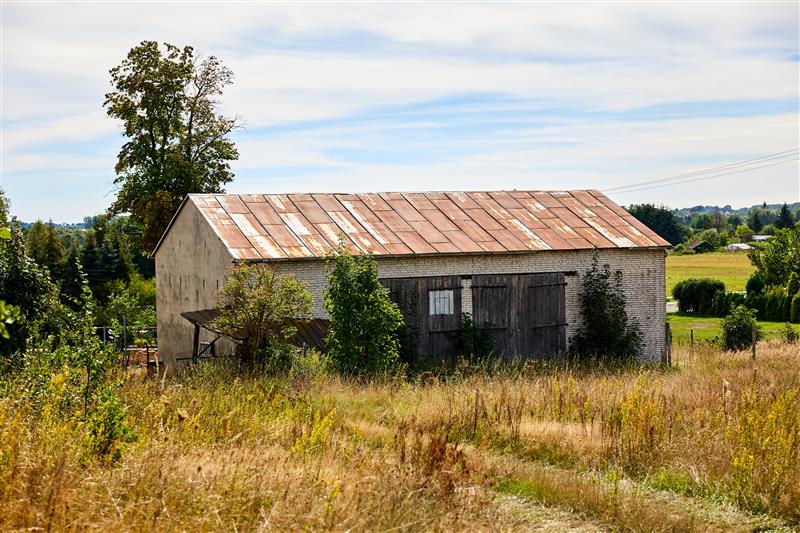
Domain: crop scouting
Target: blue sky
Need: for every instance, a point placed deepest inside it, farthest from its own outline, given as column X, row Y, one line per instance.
column 402, row 96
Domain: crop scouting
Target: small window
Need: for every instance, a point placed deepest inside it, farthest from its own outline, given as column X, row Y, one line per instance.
column 440, row 302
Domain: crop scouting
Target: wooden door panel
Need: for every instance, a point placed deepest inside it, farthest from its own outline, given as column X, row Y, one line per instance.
column 545, row 314
column 433, row 334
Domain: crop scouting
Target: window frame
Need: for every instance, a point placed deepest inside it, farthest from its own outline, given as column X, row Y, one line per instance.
column 439, row 299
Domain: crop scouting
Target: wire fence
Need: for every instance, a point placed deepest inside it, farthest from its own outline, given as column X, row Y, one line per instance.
column 136, row 346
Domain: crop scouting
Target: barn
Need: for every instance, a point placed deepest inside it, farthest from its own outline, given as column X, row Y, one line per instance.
column 511, row 259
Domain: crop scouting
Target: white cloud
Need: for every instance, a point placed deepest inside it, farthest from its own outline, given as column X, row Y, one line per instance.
column 307, row 62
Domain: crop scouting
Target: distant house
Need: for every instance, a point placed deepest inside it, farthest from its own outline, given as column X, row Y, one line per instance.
column 738, row 247
column 761, row 238
column 511, row 259
column 700, row 246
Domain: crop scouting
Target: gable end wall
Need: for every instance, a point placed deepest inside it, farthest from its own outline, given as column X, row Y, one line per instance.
column 190, row 265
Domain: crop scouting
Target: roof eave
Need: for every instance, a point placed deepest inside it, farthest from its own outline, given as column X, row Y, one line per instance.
column 451, row 254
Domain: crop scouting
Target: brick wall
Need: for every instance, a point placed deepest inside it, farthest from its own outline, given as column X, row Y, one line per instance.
column 643, row 280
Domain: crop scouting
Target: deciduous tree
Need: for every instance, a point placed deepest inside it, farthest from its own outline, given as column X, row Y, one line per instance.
column 661, row 220
column 362, row 337
column 777, row 258
column 177, row 142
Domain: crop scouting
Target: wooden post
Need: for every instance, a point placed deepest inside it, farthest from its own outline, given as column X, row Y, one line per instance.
column 754, row 343
column 691, row 345
column 668, row 338
column 196, row 342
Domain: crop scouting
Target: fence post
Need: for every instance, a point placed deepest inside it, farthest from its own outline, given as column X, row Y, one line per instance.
column 754, row 343
column 668, row 347
column 691, row 345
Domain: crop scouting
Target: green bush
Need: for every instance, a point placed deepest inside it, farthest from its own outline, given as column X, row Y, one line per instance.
column 756, row 302
column 789, row 334
column 606, row 330
column 737, row 329
column 755, row 283
column 732, row 299
column 795, row 310
column 773, row 306
column 363, row 333
column 261, row 307
column 793, row 285
column 680, row 249
column 108, row 433
column 718, row 304
column 695, row 295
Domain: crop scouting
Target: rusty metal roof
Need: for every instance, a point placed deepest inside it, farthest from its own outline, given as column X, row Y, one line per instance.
column 295, row 226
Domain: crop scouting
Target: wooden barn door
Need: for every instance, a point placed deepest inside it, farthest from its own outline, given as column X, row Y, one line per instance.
column 545, row 314
column 491, row 309
column 525, row 312
column 431, row 308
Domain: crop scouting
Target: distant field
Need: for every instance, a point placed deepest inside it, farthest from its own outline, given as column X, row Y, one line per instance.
column 733, row 269
column 706, row 328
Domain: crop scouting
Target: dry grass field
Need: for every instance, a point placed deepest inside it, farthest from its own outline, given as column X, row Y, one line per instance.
column 711, row 445
column 733, row 269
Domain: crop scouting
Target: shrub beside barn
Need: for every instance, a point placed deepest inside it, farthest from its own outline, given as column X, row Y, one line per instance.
column 511, row 259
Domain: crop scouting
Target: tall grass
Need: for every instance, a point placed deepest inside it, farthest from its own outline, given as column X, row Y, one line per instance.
column 217, row 449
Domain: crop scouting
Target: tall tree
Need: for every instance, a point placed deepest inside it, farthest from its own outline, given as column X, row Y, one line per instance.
column 661, row 220
column 177, row 142
column 778, row 257
column 44, row 246
column 754, row 220
column 785, row 219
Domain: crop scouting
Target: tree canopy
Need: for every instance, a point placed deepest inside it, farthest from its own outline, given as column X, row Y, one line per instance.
column 177, row 142
column 661, row 220
column 785, row 218
column 777, row 258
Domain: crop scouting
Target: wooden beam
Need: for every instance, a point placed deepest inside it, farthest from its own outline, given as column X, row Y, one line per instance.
column 196, row 341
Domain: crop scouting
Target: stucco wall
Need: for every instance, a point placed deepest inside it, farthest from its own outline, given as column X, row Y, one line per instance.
column 643, row 280
column 190, row 266
column 191, row 263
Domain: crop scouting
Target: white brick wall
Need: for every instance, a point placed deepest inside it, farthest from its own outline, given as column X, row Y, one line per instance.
column 643, row 280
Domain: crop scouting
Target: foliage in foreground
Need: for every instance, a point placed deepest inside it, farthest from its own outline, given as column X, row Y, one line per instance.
column 606, row 331
column 635, row 449
column 363, row 333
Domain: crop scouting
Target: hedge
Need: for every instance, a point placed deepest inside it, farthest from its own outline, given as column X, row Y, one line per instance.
column 795, row 315
column 697, row 294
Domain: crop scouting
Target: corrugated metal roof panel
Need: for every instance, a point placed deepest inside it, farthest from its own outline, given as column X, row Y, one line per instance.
column 232, row 204
column 280, row 226
column 418, row 245
column 465, row 243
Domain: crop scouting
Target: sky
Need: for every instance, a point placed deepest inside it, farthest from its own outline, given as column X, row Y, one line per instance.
column 435, row 96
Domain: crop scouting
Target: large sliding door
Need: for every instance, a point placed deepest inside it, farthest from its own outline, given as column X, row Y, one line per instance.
column 525, row 312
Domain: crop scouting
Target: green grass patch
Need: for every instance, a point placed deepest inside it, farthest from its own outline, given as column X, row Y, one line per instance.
column 732, row 269
column 707, row 327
